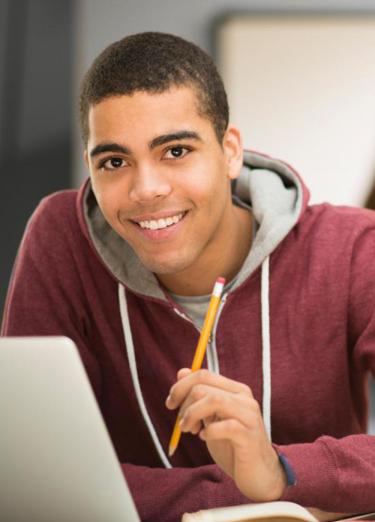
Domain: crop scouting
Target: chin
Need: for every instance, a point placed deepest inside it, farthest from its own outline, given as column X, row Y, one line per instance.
column 164, row 266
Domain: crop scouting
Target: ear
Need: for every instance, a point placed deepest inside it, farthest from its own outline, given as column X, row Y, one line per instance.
column 233, row 151
column 86, row 158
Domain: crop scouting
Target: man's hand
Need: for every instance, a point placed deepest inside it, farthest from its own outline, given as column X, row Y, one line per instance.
column 225, row 414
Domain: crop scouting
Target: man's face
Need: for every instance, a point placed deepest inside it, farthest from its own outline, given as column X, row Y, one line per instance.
column 162, row 179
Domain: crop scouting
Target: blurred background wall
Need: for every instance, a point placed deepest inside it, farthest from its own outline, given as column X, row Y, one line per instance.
column 45, row 48
column 301, row 87
column 36, row 111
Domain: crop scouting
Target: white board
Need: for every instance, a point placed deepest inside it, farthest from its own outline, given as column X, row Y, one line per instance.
column 302, row 88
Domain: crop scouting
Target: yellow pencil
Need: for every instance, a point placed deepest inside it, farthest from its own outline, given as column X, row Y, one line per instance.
column 200, row 350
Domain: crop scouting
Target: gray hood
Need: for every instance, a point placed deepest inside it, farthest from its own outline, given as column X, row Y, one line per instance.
column 274, row 191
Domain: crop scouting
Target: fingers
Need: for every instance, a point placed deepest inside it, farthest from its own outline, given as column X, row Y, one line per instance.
column 231, row 429
column 204, row 397
column 183, row 373
column 208, row 405
column 255, row 465
column 187, row 380
column 228, row 418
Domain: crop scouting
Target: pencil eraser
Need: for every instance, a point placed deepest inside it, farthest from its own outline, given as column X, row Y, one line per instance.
column 221, row 280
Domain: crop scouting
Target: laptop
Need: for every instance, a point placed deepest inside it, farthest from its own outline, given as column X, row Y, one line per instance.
column 57, row 462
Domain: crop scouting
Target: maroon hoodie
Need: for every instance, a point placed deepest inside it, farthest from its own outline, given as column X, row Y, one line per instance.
column 74, row 276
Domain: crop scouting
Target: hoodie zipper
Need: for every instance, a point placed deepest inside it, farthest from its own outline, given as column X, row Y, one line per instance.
column 212, row 356
column 211, row 353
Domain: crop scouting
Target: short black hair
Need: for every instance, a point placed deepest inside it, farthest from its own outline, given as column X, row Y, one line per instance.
column 154, row 62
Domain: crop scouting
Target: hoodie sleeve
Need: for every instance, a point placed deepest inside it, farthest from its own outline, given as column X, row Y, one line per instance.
column 332, row 474
column 339, row 474
column 45, row 296
column 165, row 494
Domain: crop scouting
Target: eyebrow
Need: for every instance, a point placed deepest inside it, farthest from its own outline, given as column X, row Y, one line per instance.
column 174, row 136
column 108, row 147
column 156, row 142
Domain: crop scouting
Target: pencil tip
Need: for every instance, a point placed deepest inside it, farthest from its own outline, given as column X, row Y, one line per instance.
column 171, row 451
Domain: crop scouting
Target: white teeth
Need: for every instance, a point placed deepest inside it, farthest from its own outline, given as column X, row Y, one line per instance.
column 156, row 224
column 162, row 223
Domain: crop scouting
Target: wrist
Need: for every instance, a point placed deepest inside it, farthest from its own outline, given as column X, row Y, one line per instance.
column 281, row 478
column 274, row 483
column 290, row 478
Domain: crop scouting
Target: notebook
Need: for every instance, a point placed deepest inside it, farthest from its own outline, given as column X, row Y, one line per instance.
column 57, row 462
column 278, row 511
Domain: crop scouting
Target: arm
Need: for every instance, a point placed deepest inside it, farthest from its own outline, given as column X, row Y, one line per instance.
column 227, row 417
column 45, row 299
column 339, row 474
column 165, row 494
column 334, row 474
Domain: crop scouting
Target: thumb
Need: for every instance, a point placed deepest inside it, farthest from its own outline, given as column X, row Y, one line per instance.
column 183, row 373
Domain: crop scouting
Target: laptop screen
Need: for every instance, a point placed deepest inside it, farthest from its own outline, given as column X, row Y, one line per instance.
column 57, row 462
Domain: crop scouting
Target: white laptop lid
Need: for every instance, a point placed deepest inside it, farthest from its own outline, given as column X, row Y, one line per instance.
column 57, row 462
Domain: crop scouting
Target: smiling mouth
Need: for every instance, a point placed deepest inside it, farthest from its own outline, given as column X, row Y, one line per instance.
column 157, row 224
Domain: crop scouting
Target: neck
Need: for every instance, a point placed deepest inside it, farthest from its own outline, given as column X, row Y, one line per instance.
column 200, row 279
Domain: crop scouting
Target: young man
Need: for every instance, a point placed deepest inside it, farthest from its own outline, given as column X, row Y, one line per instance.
column 125, row 267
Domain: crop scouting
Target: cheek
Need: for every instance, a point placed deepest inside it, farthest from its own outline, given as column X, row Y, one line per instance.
column 207, row 183
column 216, row 196
column 108, row 197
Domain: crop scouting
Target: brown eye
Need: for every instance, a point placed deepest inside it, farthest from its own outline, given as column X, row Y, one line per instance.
column 176, row 152
column 113, row 164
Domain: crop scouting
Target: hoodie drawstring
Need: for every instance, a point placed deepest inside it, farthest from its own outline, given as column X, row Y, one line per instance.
column 266, row 361
column 134, row 373
column 266, row 345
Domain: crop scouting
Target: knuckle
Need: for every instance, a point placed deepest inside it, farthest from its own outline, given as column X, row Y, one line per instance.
column 217, row 400
column 246, row 390
column 233, row 426
column 186, row 416
column 253, row 423
column 172, row 394
column 254, row 405
column 196, row 428
column 255, row 419
column 197, row 392
column 202, row 375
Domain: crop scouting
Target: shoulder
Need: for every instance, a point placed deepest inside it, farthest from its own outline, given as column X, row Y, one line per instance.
column 337, row 213
column 57, row 205
column 54, row 225
column 328, row 240
column 338, row 224
column 337, row 242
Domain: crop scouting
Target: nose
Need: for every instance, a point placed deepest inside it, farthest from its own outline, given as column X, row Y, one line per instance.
column 148, row 184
